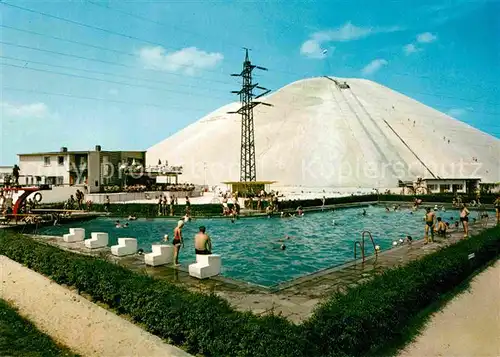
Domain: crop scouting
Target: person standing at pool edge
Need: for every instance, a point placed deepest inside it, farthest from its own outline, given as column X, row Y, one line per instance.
column 178, row 241
column 429, row 225
column 202, row 242
column 464, row 218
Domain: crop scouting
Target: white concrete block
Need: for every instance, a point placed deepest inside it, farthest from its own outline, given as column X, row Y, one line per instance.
column 205, row 266
column 125, row 246
column 74, row 235
column 161, row 254
column 98, row 240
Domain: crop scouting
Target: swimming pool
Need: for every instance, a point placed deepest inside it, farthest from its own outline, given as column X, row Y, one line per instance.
column 250, row 248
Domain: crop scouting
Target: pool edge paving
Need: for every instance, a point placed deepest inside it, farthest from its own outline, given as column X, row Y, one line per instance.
column 295, row 299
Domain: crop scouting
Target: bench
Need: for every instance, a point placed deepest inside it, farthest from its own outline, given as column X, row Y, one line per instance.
column 98, row 240
column 161, row 254
column 206, row 266
column 125, row 246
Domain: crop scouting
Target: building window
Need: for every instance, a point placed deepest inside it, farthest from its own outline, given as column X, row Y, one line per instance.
column 46, row 160
column 445, row 187
column 60, row 160
column 432, row 187
column 60, row 180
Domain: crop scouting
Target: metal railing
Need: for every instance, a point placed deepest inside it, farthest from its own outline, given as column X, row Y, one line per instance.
column 362, row 246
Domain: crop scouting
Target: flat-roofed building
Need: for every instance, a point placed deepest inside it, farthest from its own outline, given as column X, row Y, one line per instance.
column 92, row 168
column 454, row 185
column 5, row 172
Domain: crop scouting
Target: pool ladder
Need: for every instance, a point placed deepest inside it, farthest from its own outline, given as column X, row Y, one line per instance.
column 362, row 245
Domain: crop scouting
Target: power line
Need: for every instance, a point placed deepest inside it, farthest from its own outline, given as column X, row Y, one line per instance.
column 101, row 80
column 103, row 99
column 133, row 55
column 104, row 73
column 105, row 62
column 155, row 43
column 143, row 18
column 129, row 37
column 68, row 40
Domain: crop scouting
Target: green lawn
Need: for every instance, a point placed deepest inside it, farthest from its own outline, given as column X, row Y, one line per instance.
column 19, row 337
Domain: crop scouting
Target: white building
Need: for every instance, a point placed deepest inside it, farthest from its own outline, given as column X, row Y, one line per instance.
column 4, row 172
column 86, row 168
column 452, row 185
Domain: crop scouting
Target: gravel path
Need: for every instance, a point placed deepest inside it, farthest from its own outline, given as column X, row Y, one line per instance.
column 72, row 320
column 469, row 325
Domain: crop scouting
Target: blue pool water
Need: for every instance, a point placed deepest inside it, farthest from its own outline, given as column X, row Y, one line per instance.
column 250, row 248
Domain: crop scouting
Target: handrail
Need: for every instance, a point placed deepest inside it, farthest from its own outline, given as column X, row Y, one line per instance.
column 371, row 238
column 361, row 248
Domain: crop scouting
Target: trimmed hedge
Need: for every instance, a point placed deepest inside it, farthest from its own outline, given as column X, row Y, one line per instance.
column 360, row 322
column 150, row 210
column 441, row 198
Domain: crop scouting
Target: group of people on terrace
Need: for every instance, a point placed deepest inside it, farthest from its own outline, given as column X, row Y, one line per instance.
column 182, row 187
column 166, row 206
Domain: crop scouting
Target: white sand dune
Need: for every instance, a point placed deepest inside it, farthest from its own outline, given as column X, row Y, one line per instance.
column 319, row 135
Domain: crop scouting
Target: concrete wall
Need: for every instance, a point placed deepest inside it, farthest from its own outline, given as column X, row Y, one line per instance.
column 135, row 196
column 58, row 194
column 94, row 172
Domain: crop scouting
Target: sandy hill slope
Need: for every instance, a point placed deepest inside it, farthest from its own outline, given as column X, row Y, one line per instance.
column 319, row 134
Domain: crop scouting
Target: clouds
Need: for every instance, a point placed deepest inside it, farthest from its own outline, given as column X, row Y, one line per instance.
column 458, row 112
column 187, row 60
column 410, row 48
column 312, row 49
column 426, row 37
column 374, row 66
column 25, row 111
column 421, row 38
column 314, row 46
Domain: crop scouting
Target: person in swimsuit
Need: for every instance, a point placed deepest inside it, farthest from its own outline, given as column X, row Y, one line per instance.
column 429, row 225
column 202, row 242
column 188, row 207
column 464, row 218
column 441, row 228
column 497, row 209
column 178, row 241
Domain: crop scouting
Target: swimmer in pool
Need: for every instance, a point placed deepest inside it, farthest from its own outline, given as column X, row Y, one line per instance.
column 364, row 212
column 118, row 224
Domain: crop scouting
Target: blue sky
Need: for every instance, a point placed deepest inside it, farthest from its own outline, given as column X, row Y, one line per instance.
column 171, row 63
